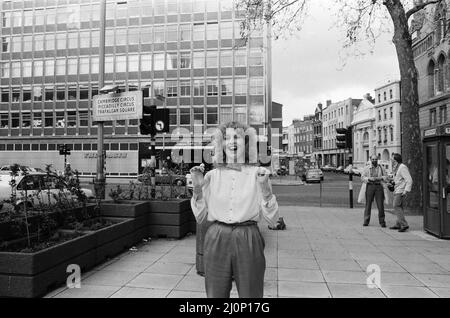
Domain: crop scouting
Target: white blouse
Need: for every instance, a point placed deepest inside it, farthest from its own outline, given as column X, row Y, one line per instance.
column 232, row 196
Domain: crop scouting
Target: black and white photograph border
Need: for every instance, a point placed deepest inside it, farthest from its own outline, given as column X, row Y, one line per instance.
column 224, row 149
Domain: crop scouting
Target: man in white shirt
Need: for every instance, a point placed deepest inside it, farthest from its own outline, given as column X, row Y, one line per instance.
column 403, row 184
column 234, row 196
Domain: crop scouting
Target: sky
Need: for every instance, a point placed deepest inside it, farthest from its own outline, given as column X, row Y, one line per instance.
column 307, row 69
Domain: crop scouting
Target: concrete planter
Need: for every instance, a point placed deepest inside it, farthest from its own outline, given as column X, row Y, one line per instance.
column 171, row 218
column 136, row 210
column 34, row 274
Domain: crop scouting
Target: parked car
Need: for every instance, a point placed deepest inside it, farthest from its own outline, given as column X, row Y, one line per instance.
column 34, row 182
column 356, row 171
column 347, row 170
column 339, row 169
column 283, row 171
column 313, row 175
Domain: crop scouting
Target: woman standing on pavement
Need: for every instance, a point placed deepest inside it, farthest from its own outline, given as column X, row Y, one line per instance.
column 234, row 196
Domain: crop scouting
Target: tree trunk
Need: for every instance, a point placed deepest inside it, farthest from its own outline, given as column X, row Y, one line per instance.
column 410, row 126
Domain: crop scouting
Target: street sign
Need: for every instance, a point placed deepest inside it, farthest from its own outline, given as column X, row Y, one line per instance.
column 118, row 106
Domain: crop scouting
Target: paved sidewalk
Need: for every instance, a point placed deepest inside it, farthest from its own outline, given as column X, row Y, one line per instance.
column 323, row 253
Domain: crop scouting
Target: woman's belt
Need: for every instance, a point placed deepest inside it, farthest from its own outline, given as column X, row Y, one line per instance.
column 246, row 223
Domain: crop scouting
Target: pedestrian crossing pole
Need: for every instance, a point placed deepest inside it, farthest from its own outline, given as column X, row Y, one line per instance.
column 350, row 179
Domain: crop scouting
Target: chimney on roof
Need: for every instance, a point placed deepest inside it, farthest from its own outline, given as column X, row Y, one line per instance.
column 369, row 98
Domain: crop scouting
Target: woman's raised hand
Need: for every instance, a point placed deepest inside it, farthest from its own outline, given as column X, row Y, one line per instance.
column 197, row 175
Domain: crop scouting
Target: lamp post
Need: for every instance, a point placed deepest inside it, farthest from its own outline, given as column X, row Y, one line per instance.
column 100, row 177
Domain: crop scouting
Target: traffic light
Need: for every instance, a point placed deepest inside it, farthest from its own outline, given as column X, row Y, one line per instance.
column 64, row 150
column 344, row 138
column 154, row 120
column 146, row 126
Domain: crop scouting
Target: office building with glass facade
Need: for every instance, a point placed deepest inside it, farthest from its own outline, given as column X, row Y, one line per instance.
column 189, row 51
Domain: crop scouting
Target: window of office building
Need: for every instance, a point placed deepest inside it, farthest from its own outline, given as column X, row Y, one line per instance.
column 199, row 32
column 4, row 120
column 26, row 120
column 226, row 114
column 199, row 88
column 26, row 93
column 211, row 87
column 146, row 9
column 146, row 62
column 391, row 132
column 109, row 37
column 121, row 64
column 172, row 33
column 226, row 87
column 211, row 59
column 48, row 119
column 186, row 6
column 146, row 35
column 72, row 66
column 49, row 42
column 172, row 88
column 109, row 64
column 84, row 65
column 173, row 116
column 121, row 10
column 133, row 36
column 185, row 32
column 159, row 34
column 94, row 65
column 211, row 116
column 27, row 43
column 27, row 67
column 199, row 59
column 443, row 114
column 27, row 18
column 39, row 42
column 160, row 7
column 51, row 16
column 256, row 86
column 172, row 60
column 49, row 93
column 212, row 31
column 158, row 88
column 95, row 39
column 60, row 66
column 83, row 118
column 60, row 93
column 6, row 42
column 185, row 60
column 240, row 58
column 226, row 58
column 185, row 116
column 38, row 68
column 84, row 92
column 71, row 119
column 121, row 37
column 6, row 19
column 185, row 88
column 5, row 94
column 159, row 61
column 240, row 87
column 61, row 41
column 72, row 92
column 226, row 30
column 16, row 44
column 73, row 40
column 199, row 6
column 199, row 115
column 17, row 18
column 134, row 10
column 5, row 69
column 60, row 120
column 212, row 6
column 240, row 114
column 133, row 63
column 237, row 30
column 15, row 120
column 256, row 57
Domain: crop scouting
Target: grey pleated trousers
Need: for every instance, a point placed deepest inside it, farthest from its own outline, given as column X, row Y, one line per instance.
column 234, row 252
